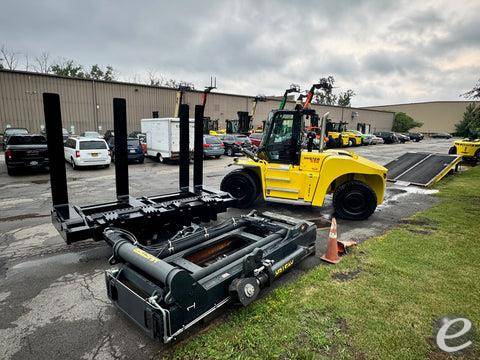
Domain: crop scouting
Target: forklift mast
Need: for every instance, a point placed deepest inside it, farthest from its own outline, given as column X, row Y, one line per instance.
column 294, row 88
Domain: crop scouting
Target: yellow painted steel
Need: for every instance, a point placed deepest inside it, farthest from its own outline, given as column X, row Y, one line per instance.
column 340, row 138
column 318, row 174
column 356, row 138
column 467, row 148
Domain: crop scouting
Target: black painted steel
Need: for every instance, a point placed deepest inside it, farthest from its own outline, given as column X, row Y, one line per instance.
column 198, row 148
column 121, row 156
column 166, row 295
column 53, row 128
column 184, row 147
column 398, row 166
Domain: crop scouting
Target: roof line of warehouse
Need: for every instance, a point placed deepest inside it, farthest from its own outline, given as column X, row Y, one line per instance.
column 421, row 102
column 23, row 72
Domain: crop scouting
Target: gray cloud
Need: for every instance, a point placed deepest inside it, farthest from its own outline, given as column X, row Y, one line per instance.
column 387, row 51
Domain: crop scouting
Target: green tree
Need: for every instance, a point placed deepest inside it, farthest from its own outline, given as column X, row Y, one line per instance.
column 469, row 126
column 68, row 68
column 403, row 122
column 474, row 93
column 325, row 95
column 345, row 98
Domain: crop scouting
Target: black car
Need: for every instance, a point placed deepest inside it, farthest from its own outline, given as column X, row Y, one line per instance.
column 234, row 143
column 387, row 136
column 134, row 149
column 26, row 152
column 415, row 136
column 402, row 138
column 441, row 135
column 12, row 131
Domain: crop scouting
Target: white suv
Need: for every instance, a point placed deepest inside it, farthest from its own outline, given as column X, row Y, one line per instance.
column 87, row 152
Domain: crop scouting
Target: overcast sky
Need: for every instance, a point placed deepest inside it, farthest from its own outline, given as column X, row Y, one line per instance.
column 387, row 52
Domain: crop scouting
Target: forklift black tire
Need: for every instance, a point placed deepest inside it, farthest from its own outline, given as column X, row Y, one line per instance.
column 354, row 200
column 242, row 186
column 452, row 150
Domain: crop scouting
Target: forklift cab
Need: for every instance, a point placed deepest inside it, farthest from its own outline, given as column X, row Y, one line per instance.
column 282, row 138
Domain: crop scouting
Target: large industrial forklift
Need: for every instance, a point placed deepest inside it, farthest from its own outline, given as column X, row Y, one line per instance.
column 281, row 172
column 169, row 268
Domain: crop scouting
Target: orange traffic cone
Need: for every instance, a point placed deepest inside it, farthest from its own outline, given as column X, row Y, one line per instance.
column 331, row 255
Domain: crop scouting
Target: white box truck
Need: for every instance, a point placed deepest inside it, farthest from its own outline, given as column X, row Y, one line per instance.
column 163, row 137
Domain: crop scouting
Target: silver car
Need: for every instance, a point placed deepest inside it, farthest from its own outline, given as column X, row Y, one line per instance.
column 212, row 146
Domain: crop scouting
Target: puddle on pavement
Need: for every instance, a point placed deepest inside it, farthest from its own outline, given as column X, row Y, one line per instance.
column 23, row 217
column 321, row 223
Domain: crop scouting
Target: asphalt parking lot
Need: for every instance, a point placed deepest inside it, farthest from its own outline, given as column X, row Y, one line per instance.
column 53, row 302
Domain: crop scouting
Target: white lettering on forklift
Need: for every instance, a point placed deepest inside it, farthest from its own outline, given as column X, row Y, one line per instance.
column 442, row 335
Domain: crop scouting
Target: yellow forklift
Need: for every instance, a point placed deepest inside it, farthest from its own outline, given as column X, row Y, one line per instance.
column 281, row 172
column 337, row 135
column 468, row 148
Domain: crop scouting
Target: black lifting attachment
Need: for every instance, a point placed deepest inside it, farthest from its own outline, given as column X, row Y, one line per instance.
column 167, row 288
column 142, row 216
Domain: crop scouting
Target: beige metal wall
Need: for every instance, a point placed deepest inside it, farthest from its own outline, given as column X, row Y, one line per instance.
column 87, row 104
column 436, row 116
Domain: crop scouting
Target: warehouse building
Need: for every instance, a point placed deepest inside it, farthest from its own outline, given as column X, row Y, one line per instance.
column 87, row 104
column 436, row 116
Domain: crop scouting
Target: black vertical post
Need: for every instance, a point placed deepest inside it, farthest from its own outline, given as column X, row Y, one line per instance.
column 184, row 147
column 53, row 128
column 121, row 156
column 198, row 148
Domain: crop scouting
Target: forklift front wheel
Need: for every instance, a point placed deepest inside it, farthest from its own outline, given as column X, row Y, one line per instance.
column 242, row 186
column 452, row 150
column 354, row 200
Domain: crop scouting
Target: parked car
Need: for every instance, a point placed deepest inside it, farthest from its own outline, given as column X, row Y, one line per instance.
column 84, row 151
column 402, row 138
column 366, row 138
column 27, row 151
column 234, row 143
column 91, row 135
column 387, row 136
column 256, row 139
column 134, row 149
column 139, row 135
column 415, row 136
column 12, row 131
column 377, row 140
column 441, row 135
column 142, row 137
column 212, row 146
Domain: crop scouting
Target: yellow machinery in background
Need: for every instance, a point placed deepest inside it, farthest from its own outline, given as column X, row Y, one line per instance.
column 337, row 137
column 469, row 149
column 281, row 172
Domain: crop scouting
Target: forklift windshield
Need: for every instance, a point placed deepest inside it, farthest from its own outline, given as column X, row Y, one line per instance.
column 282, row 138
column 337, row 127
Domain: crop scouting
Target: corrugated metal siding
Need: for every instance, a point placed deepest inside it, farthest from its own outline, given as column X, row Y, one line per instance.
column 87, row 104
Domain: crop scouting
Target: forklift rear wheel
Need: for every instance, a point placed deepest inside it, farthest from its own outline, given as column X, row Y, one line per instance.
column 354, row 200
column 242, row 186
column 452, row 150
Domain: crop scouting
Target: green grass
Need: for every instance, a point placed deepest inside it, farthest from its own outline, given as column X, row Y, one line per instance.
column 398, row 285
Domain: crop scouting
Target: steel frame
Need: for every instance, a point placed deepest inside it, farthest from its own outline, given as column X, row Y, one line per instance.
column 139, row 215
